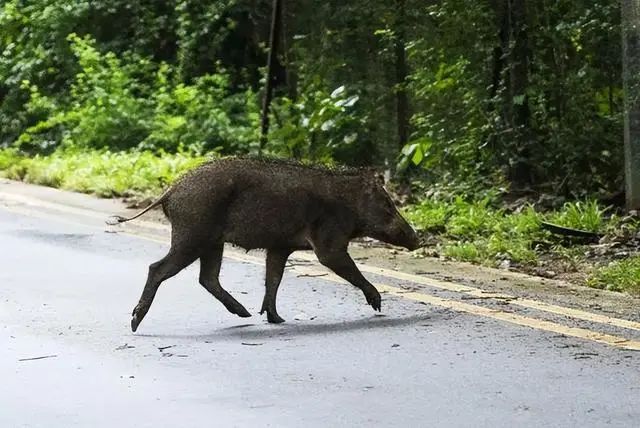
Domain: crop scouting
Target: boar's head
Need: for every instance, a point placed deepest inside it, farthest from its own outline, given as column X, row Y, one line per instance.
column 381, row 218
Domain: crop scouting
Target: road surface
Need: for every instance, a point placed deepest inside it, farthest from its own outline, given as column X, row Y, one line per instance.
column 69, row 358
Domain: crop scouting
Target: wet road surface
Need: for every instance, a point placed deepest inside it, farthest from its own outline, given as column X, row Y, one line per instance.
column 67, row 291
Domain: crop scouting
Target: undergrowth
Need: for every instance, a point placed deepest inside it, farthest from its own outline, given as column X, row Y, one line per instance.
column 480, row 232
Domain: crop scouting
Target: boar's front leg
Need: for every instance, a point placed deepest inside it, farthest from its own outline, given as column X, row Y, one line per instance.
column 276, row 261
column 209, row 273
column 339, row 261
column 177, row 259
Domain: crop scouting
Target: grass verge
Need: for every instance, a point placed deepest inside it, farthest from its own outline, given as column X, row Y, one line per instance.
column 622, row 275
column 103, row 173
column 480, row 233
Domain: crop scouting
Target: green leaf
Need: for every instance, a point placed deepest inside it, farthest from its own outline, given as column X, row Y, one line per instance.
column 418, row 156
column 519, row 100
column 338, row 91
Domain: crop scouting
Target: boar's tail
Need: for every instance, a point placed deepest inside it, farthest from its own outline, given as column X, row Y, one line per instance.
column 116, row 219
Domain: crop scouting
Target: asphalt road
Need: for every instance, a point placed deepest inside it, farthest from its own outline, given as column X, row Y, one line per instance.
column 67, row 291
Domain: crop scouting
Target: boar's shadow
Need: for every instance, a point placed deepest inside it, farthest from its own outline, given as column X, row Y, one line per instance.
column 306, row 328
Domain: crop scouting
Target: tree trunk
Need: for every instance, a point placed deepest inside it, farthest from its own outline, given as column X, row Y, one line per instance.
column 501, row 10
column 274, row 42
column 402, row 100
column 288, row 12
column 519, row 57
column 631, row 76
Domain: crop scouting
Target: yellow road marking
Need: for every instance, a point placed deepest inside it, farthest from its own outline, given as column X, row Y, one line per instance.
column 607, row 339
column 582, row 333
column 513, row 300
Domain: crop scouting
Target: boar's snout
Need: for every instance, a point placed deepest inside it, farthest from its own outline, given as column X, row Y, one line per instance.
column 383, row 221
column 403, row 235
column 413, row 242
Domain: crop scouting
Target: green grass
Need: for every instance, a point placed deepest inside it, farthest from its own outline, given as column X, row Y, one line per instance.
column 103, row 173
column 587, row 215
column 473, row 252
column 480, row 233
column 623, row 275
column 476, row 232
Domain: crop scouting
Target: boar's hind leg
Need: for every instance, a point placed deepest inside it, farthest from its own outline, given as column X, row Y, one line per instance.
column 209, row 272
column 343, row 265
column 276, row 260
column 176, row 260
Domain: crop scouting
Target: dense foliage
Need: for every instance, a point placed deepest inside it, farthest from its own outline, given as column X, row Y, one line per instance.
column 444, row 90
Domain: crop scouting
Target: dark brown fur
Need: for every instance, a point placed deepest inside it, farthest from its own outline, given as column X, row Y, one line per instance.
column 275, row 205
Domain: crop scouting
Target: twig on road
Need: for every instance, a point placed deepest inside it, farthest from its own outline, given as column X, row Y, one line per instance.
column 125, row 346
column 37, row 358
column 162, row 348
column 311, row 275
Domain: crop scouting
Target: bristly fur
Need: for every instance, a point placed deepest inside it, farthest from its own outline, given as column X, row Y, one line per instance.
column 266, row 162
column 275, row 161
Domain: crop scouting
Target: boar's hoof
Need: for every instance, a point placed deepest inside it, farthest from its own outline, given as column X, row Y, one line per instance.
column 135, row 322
column 137, row 316
column 242, row 312
column 374, row 300
column 274, row 318
column 235, row 307
column 272, row 314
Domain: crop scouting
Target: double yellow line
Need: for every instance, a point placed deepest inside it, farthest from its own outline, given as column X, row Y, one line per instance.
column 455, row 305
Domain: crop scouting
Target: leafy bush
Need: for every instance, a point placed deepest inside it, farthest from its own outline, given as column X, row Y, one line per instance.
column 318, row 126
column 202, row 116
column 110, row 107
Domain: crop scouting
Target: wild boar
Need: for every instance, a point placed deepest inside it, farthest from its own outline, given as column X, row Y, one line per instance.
column 276, row 205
